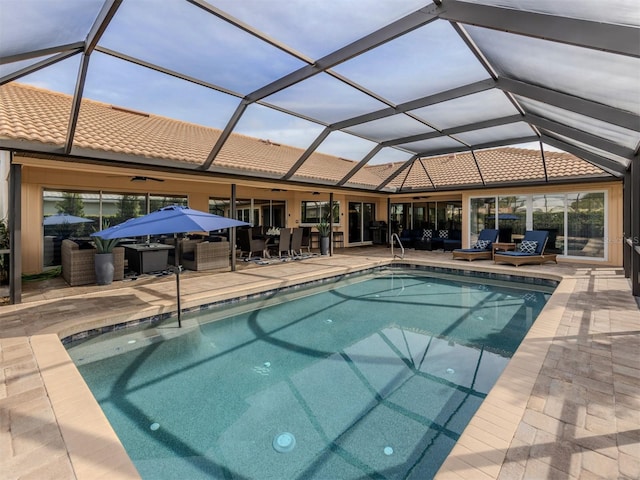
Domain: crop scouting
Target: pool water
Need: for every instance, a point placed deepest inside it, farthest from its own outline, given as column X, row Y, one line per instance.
column 371, row 378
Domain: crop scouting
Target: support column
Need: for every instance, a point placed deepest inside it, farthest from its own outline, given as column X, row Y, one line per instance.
column 634, row 239
column 388, row 221
column 15, row 232
column 331, row 224
column 232, row 231
column 627, row 249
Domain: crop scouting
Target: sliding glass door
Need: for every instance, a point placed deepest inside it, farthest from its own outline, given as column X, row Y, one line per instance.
column 360, row 217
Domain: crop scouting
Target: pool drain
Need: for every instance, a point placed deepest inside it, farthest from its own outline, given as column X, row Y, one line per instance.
column 284, row 442
column 388, row 451
column 450, row 371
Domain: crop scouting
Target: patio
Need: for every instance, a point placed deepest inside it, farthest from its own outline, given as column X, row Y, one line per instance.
column 565, row 407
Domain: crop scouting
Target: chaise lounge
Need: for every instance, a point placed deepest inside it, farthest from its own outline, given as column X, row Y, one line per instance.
column 482, row 250
column 530, row 250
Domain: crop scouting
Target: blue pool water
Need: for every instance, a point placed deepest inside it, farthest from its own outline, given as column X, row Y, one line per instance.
column 370, row 378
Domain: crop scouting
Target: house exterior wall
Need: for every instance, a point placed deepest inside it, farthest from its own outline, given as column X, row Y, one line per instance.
column 39, row 174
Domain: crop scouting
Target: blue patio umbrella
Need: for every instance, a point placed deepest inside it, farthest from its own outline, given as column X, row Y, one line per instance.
column 172, row 219
column 167, row 220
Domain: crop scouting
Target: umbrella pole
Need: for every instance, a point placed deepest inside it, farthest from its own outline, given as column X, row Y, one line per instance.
column 177, row 270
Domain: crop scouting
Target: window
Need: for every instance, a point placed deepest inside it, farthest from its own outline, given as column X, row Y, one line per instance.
column 512, row 216
column 483, row 215
column 316, row 211
column 99, row 209
column 548, row 214
column 575, row 221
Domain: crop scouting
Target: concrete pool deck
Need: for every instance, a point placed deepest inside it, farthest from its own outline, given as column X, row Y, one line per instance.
column 567, row 405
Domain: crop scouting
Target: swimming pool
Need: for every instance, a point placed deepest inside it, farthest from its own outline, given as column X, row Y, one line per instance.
column 375, row 377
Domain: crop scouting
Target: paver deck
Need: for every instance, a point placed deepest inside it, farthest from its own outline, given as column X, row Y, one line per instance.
column 567, row 406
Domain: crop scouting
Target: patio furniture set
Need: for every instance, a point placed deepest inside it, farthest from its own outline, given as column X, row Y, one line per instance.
column 78, row 258
column 530, row 250
column 265, row 242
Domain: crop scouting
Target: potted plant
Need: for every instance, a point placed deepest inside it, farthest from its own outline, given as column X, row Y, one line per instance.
column 324, row 229
column 104, row 258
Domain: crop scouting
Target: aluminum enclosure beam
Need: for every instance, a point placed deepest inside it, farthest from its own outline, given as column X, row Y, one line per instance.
column 580, row 136
column 571, row 103
column 618, row 39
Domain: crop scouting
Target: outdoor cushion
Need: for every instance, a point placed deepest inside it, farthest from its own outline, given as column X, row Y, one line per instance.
column 443, row 233
column 482, row 244
column 528, row 246
column 427, row 234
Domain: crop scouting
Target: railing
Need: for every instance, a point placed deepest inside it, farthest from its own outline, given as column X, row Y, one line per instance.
column 395, row 235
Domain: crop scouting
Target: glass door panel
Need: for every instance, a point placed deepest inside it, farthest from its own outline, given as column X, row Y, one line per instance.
column 548, row 214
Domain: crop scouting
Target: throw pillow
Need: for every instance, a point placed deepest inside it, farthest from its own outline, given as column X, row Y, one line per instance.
column 482, row 244
column 443, row 233
column 426, row 234
column 528, row 246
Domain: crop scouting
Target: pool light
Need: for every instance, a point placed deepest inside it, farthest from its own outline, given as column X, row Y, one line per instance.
column 388, row 451
column 154, row 426
column 284, row 442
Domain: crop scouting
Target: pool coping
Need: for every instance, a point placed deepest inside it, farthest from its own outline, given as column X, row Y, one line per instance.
column 479, row 453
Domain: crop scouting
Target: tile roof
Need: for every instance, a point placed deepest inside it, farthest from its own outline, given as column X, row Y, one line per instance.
column 497, row 166
column 37, row 115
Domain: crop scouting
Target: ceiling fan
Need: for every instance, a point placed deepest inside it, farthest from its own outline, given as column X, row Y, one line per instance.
column 139, row 178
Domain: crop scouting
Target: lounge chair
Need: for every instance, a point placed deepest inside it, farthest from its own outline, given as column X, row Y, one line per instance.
column 482, row 248
column 530, row 250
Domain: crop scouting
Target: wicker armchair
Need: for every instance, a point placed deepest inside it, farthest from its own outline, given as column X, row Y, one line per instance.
column 78, row 264
column 197, row 255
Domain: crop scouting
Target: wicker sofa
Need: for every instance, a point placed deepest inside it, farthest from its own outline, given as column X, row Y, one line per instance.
column 78, row 264
column 198, row 255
